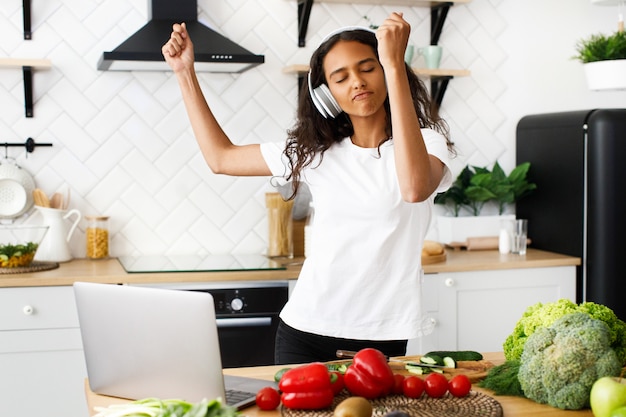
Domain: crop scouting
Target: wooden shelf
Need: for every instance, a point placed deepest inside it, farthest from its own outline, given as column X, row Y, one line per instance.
column 438, row 11
column 25, row 62
column 27, row 65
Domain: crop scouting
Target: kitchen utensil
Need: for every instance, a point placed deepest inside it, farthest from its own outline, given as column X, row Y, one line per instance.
column 66, row 202
column 13, row 203
column 350, row 354
column 54, row 246
column 56, row 201
column 40, row 198
column 13, row 198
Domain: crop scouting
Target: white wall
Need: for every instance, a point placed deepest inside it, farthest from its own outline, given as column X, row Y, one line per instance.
column 123, row 145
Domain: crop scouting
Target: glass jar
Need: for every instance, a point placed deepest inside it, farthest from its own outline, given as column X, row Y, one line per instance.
column 97, row 236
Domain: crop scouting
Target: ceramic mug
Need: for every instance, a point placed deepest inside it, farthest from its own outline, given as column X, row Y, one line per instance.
column 408, row 55
column 432, row 55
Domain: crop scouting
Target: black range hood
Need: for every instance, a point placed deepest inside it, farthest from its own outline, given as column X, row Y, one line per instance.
column 142, row 51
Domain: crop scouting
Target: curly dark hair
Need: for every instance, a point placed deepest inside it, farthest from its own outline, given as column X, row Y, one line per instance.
column 313, row 134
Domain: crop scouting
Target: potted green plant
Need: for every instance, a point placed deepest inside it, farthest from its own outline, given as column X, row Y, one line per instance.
column 604, row 60
column 474, row 188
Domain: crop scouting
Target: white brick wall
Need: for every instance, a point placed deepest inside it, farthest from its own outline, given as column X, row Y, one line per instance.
column 123, row 145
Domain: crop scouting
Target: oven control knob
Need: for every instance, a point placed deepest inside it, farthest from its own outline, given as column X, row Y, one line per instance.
column 236, row 304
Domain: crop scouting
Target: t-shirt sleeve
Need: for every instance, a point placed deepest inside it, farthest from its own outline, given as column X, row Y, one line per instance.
column 437, row 146
column 273, row 153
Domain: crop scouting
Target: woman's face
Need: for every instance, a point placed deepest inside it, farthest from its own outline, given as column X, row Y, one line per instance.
column 355, row 78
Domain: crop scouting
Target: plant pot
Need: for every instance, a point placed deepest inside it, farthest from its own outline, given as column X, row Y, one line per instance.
column 606, row 75
column 458, row 229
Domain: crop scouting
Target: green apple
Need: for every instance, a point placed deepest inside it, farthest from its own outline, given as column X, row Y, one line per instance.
column 607, row 394
column 619, row 412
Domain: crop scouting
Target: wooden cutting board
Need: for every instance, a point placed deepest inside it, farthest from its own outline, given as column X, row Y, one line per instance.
column 475, row 370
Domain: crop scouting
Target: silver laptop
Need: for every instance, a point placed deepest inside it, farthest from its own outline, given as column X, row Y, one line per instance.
column 145, row 342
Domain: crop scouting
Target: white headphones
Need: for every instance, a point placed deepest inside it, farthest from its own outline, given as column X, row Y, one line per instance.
column 324, row 100
column 321, row 95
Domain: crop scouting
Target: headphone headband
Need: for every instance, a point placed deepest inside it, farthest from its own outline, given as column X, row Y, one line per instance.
column 321, row 96
column 346, row 29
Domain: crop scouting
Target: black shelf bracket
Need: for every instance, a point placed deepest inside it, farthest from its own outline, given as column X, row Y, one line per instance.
column 28, row 34
column 304, row 13
column 438, row 15
column 28, row 90
column 438, row 86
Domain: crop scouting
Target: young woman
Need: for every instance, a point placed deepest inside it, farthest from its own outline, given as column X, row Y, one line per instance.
column 373, row 156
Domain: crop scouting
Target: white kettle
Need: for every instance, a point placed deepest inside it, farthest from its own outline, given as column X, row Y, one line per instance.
column 54, row 246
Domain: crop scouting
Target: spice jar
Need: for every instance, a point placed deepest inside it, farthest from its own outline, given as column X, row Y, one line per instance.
column 97, row 235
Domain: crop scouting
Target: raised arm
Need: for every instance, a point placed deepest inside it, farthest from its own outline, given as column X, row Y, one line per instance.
column 222, row 156
column 419, row 173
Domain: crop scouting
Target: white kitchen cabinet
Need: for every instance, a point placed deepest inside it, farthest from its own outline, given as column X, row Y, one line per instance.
column 477, row 310
column 42, row 366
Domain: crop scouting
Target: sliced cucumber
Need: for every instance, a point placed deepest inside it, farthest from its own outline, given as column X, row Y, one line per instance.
column 417, row 370
column 432, row 360
column 449, row 362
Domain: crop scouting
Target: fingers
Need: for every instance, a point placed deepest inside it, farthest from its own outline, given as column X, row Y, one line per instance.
column 177, row 42
column 395, row 22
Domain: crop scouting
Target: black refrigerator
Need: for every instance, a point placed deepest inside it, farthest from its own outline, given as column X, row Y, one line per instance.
column 578, row 161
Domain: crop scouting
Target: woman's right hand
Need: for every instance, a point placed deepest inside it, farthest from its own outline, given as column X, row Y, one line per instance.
column 178, row 50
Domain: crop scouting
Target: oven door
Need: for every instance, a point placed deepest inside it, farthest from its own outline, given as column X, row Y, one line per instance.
column 247, row 341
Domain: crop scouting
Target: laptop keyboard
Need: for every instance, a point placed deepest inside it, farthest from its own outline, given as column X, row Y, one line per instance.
column 235, row 396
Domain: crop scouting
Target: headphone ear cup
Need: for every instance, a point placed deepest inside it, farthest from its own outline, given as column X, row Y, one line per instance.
column 314, row 98
column 327, row 100
column 323, row 100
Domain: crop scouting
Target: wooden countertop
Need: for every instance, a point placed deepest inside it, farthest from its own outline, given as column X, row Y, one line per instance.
column 512, row 406
column 111, row 271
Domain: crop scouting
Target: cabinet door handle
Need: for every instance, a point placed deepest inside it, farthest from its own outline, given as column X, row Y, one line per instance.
column 245, row 322
column 449, row 282
column 28, row 310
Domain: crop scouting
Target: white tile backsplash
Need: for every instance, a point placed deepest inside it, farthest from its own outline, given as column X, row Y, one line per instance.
column 122, row 140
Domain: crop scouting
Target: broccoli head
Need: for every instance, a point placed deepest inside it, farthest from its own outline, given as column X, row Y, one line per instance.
column 542, row 315
column 560, row 362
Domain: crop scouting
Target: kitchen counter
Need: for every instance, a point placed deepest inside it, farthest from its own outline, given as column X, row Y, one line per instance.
column 512, row 406
column 110, row 270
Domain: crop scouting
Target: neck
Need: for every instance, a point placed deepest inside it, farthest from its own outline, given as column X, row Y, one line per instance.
column 369, row 132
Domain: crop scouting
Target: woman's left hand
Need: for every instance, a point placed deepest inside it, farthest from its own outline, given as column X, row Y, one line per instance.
column 393, row 37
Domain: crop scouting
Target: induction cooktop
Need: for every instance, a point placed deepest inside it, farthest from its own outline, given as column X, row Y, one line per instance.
column 196, row 263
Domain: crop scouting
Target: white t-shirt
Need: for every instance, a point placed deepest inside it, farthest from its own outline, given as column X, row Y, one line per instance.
column 362, row 279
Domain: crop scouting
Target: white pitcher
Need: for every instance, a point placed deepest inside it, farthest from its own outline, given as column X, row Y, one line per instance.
column 54, row 246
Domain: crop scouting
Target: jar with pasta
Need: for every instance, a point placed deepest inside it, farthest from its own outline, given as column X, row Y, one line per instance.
column 97, row 235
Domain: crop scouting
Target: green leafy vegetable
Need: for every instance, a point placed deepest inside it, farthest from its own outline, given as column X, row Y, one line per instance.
column 152, row 407
column 502, row 379
column 561, row 362
column 542, row 315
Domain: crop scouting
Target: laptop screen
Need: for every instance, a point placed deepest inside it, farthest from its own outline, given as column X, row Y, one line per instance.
column 145, row 342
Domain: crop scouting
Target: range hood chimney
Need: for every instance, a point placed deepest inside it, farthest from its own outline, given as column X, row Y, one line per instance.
column 142, row 51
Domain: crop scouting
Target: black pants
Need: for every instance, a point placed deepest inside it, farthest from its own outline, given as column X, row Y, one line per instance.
column 294, row 346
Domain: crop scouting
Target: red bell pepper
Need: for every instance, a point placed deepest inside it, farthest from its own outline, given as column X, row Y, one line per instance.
column 336, row 382
column 370, row 375
column 307, row 387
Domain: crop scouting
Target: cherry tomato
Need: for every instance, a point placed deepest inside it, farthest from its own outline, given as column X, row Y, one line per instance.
column 459, row 386
column 435, row 385
column 336, row 382
column 267, row 398
column 397, row 387
column 413, row 386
